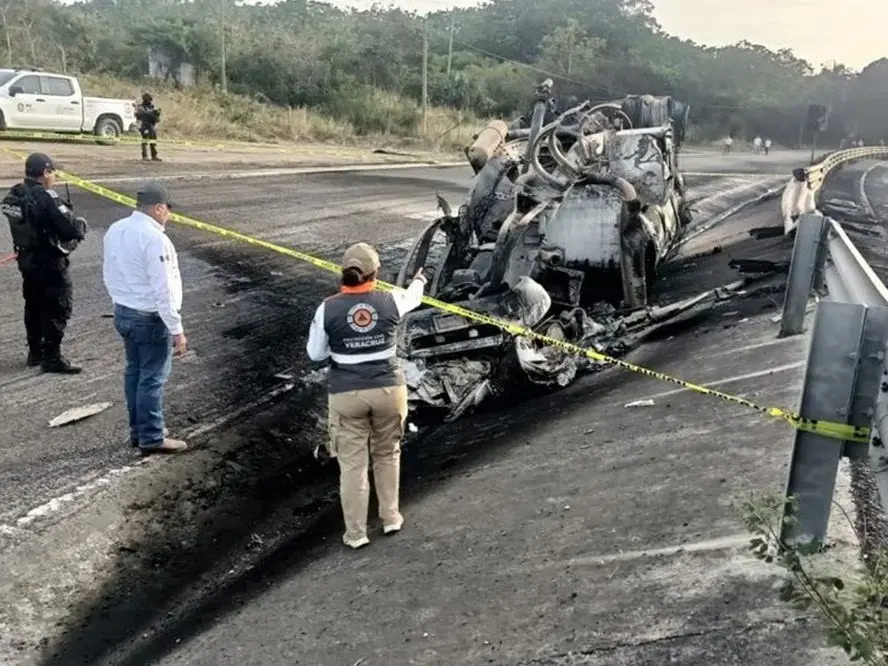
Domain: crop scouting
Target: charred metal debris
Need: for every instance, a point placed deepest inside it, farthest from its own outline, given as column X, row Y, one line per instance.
column 569, row 215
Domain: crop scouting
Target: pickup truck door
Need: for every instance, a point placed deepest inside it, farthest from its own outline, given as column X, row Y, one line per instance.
column 64, row 103
column 31, row 108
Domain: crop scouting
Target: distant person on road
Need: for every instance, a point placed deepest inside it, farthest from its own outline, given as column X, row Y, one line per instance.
column 757, row 145
column 44, row 232
column 768, row 146
column 141, row 274
column 148, row 116
column 728, row 144
column 356, row 329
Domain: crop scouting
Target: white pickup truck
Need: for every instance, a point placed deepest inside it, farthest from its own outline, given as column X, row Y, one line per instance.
column 47, row 102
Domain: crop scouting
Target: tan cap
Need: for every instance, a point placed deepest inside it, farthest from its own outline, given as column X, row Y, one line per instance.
column 363, row 257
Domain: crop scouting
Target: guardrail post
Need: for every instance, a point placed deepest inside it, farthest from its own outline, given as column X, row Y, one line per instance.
column 878, row 449
column 820, row 260
column 845, row 362
column 805, row 254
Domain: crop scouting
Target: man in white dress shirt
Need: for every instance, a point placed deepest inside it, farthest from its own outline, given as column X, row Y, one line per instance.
column 141, row 274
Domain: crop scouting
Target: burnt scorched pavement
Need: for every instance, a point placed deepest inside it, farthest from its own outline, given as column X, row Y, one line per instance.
column 268, row 516
column 194, row 537
column 517, row 551
column 246, row 314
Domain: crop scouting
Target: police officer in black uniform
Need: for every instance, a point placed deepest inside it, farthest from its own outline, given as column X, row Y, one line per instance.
column 148, row 116
column 44, row 232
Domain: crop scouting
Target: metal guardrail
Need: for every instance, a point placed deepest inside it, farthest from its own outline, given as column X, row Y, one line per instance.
column 846, row 376
column 801, row 192
column 816, row 174
column 849, row 278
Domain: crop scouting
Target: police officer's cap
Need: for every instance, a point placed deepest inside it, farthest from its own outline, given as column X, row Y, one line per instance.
column 37, row 164
column 363, row 257
column 153, row 193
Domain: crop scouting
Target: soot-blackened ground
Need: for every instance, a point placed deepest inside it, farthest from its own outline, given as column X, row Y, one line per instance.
column 258, row 510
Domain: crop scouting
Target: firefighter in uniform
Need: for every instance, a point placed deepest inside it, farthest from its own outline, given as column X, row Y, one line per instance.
column 356, row 329
column 148, row 116
column 44, row 232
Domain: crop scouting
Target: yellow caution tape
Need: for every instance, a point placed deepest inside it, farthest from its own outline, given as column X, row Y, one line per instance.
column 834, row 430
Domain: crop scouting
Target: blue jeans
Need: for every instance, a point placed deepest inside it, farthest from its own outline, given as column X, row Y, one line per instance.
column 149, row 360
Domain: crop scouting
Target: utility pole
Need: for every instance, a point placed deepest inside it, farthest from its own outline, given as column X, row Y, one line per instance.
column 802, row 124
column 450, row 48
column 222, row 41
column 425, row 76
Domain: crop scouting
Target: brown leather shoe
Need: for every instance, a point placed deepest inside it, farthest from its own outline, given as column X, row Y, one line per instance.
column 168, row 446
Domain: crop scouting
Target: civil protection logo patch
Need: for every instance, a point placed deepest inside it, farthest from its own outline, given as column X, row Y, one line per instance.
column 362, row 317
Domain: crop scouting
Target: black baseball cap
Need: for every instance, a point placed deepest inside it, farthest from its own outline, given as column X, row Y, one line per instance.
column 37, row 164
column 153, row 193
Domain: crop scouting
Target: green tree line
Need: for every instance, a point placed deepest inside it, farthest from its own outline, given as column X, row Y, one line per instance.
column 484, row 60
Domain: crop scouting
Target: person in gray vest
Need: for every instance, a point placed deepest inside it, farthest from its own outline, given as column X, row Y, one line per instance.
column 356, row 329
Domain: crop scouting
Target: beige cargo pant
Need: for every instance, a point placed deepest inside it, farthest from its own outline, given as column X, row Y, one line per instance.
column 366, row 425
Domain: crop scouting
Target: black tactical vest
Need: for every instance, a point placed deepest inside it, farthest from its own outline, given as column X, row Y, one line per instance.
column 362, row 325
column 18, row 206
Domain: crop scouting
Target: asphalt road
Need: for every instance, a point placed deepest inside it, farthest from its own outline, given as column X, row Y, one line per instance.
column 244, row 308
column 246, row 506
column 857, row 195
column 245, row 311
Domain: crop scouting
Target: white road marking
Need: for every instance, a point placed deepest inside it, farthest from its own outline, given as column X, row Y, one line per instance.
column 695, row 232
column 864, row 199
column 263, row 173
column 57, row 503
column 759, row 345
column 723, row 543
column 727, row 380
column 731, row 185
column 296, row 171
column 427, row 216
column 729, row 174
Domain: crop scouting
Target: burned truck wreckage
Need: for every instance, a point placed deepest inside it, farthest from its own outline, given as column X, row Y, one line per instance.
column 568, row 216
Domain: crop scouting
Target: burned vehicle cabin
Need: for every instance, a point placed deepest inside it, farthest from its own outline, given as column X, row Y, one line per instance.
column 568, row 216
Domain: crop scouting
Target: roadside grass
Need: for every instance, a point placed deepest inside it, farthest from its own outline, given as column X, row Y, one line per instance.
column 370, row 119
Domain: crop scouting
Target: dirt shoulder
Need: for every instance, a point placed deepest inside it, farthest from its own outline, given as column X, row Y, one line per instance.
column 87, row 159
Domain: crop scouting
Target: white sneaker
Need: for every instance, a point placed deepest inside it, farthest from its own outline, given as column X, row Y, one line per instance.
column 393, row 527
column 357, row 543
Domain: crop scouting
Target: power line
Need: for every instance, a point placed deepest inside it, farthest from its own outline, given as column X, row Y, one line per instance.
column 511, row 61
column 537, row 69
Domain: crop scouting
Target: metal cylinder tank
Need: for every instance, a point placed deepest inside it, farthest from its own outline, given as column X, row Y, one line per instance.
column 487, row 143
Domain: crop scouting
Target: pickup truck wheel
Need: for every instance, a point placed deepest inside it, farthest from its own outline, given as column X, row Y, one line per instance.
column 109, row 129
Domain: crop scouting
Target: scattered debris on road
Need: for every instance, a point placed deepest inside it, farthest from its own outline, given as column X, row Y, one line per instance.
column 78, row 414
column 640, row 403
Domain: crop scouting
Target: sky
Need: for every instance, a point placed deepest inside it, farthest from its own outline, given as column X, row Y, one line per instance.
column 812, row 28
